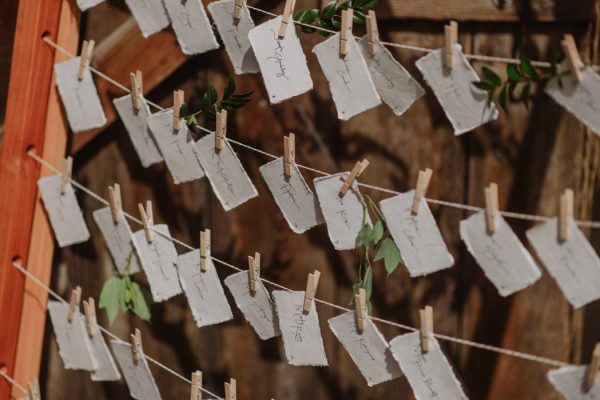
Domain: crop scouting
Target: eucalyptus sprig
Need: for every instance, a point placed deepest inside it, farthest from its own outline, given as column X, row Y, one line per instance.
column 329, row 16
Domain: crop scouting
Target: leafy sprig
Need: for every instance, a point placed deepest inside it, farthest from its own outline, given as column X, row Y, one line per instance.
column 329, row 16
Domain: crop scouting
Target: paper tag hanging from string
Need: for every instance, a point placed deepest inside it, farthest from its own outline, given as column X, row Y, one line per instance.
column 87, row 4
column 568, row 381
column 191, row 25
column 106, row 370
column 139, row 379
column 150, row 16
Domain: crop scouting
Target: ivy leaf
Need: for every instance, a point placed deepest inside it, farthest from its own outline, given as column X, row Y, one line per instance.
column 491, row 76
column 205, row 103
column 336, row 23
column 213, row 95
column 502, row 98
column 358, row 17
column 299, row 16
column 329, row 10
column 191, row 120
column 369, row 5
column 528, row 69
column 183, row 110
column 141, row 301
column 377, row 231
column 513, row 73
column 229, row 88
column 110, row 297
column 319, row 23
column 365, row 236
column 484, row 85
column 389, row 253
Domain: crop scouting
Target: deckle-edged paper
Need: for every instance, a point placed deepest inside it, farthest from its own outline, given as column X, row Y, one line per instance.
column 136, row 124
column 79, row 97
column 203, row 290
column 258, row 309
column 297, row 202
column 573, row 263
column 235, row 35
column 343, row 215
column 191, row 25
column 569, row 382
column 106, row 369
column 225, row 172
column 137, row 374
column 429, row 374
column 282, row 63
column 63, row 211
column 301, row 333
column 87, row 4
column 369, row 349
column 74, row 345
column 177, row 148
column 397, row 88
column 465, row 106
column 503, row 258
column 350, row 82
column 158, row 260
column 150, row 15
column 417, row 236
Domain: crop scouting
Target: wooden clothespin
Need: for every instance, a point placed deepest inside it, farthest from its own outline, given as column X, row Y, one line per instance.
column 426, row 318
column 196, row 392
column 253, row 272
column 147, row 219
column 86, row 55
column 136, row 345
column 491, row 207
column 136, row 89
column 66, row 174
column 114, row 198
column 311, row 290
column 346, row 31
column 204, row 249
column 237, row 11
column 177, row 102
column 34, row 389
column 360, row 306
column 289, row 153
column 285, row 19
column 230, row 390
column 221, row 129
column 565, row 214
column 358, row 169
column 89, row 308
column 572, row 55
column 74, row 303
column 451, row 37
column 372, row 32
column 421, row 189
column 592, row 369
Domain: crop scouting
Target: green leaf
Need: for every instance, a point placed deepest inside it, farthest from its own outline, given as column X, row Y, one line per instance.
column 229, row 88
column 110, row 297
column 526, row 94
column 346, row 5
column 329, row 10
column 205, row 103
column 358, row 17
column 368, row 5
column 213, row 95
column 377, row 231
column 390, row 255
column 484, row 85
column 528, row 69
column 191, row 120
column 513, row 73
column 299, row 16
column 502, row 97
column 307, row 29
column 320, row 24
column 311, row 15
column 491, row 76
column 367, row 281
column 365, row 236
column 336, row 24
column 183, row 110
column 141, row 305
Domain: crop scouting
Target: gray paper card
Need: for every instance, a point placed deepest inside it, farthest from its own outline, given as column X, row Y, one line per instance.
column 150, row 15
column 297, row 202
column 343, row 215
column 573, row 263
column 136, row 124
column 87, row 4
column 118, row 238
column 191, row 25
column 429, row 374
column 369, row 350
column 158, row 262
column 74, row 345
column 397, row 88
column 203, row 290
column 503, row 258
column 79, row 97
column 301, row 333
column 137, row 374
column 63, row 211
column 258, row 309
column 235, row 35
column 465, row 106
column 350, row 83
column 282, row 63
column 106, row 370
column 176, row 147
column 569, row 382
column 225, row 172
column 417, row 236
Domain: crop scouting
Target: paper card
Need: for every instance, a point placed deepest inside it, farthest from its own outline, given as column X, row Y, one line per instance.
column 369, row 349
column 136, row 124
column 258, row 309
column 63, row 211
column 137, row 374
column 235, row 35
column 429, row 374
column 350, row 83
column 569, row 382
column 191, row 25
column 118, row 238
column 573, row 263
column 397, row 88
column 417, row 236
column 343, row 215
column 282, row 63
column 177, row 148
column 79, row 97
column 158, row 262
column 150, row 15
column 87, row 4
column 301, row 333
column 74, row 345
column 297, row 202
column 503, row 258
column 106, row 370
column 225, row 172
column 465, row 106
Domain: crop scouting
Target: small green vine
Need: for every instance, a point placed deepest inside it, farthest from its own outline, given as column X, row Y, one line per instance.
column 329, row 16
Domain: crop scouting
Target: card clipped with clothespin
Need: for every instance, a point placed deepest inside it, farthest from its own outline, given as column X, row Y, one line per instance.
column 288, row 12
column 136, row 345
column 66, row 175
column 33, row 389
column 578, row 381
column 289, row 154
column 83, row 6
column 565, row 214
column 357, row 170
column 346, row 31
column 178, row 101
column 106, row 370
column 421, row 189
column 191, row 26
column 372, row 32
column 360, row 309
column 196, row 387
column 230, row 390
column 137, row 93
column 426, row 327
column 237, row 10
column 491, row 208
column 572, row 56
column 221, row 129
column 150, row 16
column 74, row 301
column 253, row 272
column 311, row 289
column 87, row 49
column 204, row 249
column 147, row 217
column 450, row 39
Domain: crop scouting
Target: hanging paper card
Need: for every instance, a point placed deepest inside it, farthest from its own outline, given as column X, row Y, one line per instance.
column 136, row 124
column 176, row 147
column 106, row 370
column 503, row 258
column 150, row 15
column 137, row 374
column 282, row 63
column 297, row 202
column 465, row 106
column 350, row 83
column 118, row 238
column 369, row 350
column 417, row 236
column 87, row 4
column 158, row 262
column 63, row 211
column 74, row 346
column 191, row 25
column 573, row 263
column 300, row 332
column 234, row 35
column 343, row 215
column 225, row 172
column 79, row 97
column 568, row 381
column 429, row 374
column 258, row 309
column 397, row 88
